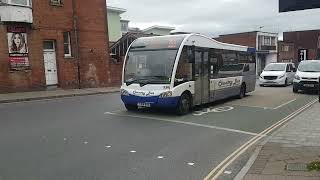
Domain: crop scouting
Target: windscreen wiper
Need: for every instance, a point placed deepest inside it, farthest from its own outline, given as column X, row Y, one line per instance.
column 128, row 83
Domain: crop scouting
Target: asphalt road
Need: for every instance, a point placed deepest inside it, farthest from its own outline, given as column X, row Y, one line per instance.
column 93, row 137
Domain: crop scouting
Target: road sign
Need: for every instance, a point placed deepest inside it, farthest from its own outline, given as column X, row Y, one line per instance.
column 295, row 5
column 302, row 54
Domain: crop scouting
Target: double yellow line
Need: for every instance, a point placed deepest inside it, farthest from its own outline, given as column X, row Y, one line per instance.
column 218, row 170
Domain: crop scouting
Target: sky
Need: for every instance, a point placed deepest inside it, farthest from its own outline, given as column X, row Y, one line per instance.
column 215, row 17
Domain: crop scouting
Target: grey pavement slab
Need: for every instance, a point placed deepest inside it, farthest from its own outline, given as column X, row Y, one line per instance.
column 55, row 93
column 295, row 143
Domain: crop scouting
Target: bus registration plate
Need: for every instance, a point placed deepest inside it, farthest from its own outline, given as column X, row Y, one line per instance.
column 144, row 104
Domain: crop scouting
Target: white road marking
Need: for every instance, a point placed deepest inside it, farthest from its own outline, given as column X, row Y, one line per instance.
column 218, row 170
column 285, row 104
column 133, row 151
column 211, row 110
column 107, row 147
column 262, row 107
column 85, row 142
column 160, row 157
column 183, row 122
column 227, row 172
column 191, row 164
column 64, row 139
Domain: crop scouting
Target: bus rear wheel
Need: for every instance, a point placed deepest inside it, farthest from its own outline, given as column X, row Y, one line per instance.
column 242, row 91
column 184, row 105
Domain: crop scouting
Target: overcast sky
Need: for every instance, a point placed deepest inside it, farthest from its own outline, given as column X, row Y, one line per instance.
column 214, row 17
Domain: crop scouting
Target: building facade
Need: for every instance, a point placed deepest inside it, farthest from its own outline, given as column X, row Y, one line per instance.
column 115, row 23
column 158, row 30
column 53, row 43
column 266, row 45
column 303, row 45
column 286, row 52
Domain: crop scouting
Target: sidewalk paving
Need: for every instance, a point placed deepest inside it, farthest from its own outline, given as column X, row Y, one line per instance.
column 286, row 152
column 56, row 93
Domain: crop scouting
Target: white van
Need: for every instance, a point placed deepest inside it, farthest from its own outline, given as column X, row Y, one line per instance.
column 278, row 74
column 307, row 76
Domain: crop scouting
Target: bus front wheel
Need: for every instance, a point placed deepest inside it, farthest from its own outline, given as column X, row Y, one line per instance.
column 184, row 105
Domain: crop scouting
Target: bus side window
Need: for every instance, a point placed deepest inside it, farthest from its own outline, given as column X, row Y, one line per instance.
column 184, row 69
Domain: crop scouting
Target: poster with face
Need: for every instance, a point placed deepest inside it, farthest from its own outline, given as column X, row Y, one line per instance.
column 17, row 42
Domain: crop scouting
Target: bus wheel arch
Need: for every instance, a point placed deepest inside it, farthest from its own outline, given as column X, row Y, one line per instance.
column 185, row 103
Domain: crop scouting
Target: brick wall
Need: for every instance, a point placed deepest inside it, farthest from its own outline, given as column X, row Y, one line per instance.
column 50, row 22
column 93, row 42
column 303, row 40
column 245, row 39
column 286, row 56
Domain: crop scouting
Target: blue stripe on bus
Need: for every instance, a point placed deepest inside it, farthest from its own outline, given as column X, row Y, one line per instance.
column 155, row 101
column 251, row 50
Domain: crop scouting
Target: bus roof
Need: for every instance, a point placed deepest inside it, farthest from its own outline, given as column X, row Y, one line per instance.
column 188, row 39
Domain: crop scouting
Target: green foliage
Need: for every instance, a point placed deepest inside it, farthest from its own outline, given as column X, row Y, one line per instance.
column 315, row 165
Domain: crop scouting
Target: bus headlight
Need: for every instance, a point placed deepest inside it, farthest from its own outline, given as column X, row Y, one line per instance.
column 124, row 92
column 165, row 94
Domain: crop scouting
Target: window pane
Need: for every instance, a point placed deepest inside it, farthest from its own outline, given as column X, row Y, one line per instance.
column 56, row 1
column 66, row 49
column 48, row 45
column 66, row 38
column 21, row 2
column 184, row 70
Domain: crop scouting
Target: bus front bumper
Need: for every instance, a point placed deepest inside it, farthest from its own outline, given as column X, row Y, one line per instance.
column 153, row 101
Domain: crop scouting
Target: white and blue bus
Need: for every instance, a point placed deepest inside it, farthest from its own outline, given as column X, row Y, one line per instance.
column 183, row 71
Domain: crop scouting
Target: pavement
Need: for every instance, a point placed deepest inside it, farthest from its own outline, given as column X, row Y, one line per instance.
column 285, row 154
column 53, row 93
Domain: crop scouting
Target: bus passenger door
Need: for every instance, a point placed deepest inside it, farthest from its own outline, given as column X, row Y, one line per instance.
column 201, row 77
column 205, row 78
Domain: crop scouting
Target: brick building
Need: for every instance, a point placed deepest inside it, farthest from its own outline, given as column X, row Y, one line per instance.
column 286, row 52
column 53, row 43
column 300, row 45
column 265, row 43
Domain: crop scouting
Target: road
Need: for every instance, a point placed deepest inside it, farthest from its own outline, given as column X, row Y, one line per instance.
column 94, row 137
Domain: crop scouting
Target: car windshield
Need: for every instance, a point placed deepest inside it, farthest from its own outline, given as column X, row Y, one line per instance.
column 311, row 66
column 275, row 67
column 150, row 66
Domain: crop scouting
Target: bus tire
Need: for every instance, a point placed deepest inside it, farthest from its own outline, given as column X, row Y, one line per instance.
column 295, row 90
column 242, row 93
column 184, row 104
column 286, row 83
column 131, row 107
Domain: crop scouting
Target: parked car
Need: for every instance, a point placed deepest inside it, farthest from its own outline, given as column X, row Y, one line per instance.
column 278, row 74
column 307, row 76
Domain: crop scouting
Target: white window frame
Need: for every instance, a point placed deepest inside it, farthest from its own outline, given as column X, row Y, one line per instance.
column 69, row 45
column 29, row 3
column 266, row 39
column 56, row 2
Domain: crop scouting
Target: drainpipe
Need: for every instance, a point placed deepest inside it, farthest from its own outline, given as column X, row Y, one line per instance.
column 75, row 29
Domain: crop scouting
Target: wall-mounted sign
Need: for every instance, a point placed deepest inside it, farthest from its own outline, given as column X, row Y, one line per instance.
column 302, row 54
column 18, row 47
column 19, row 62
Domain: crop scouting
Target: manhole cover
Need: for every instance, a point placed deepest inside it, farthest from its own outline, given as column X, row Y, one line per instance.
column 297, row 167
